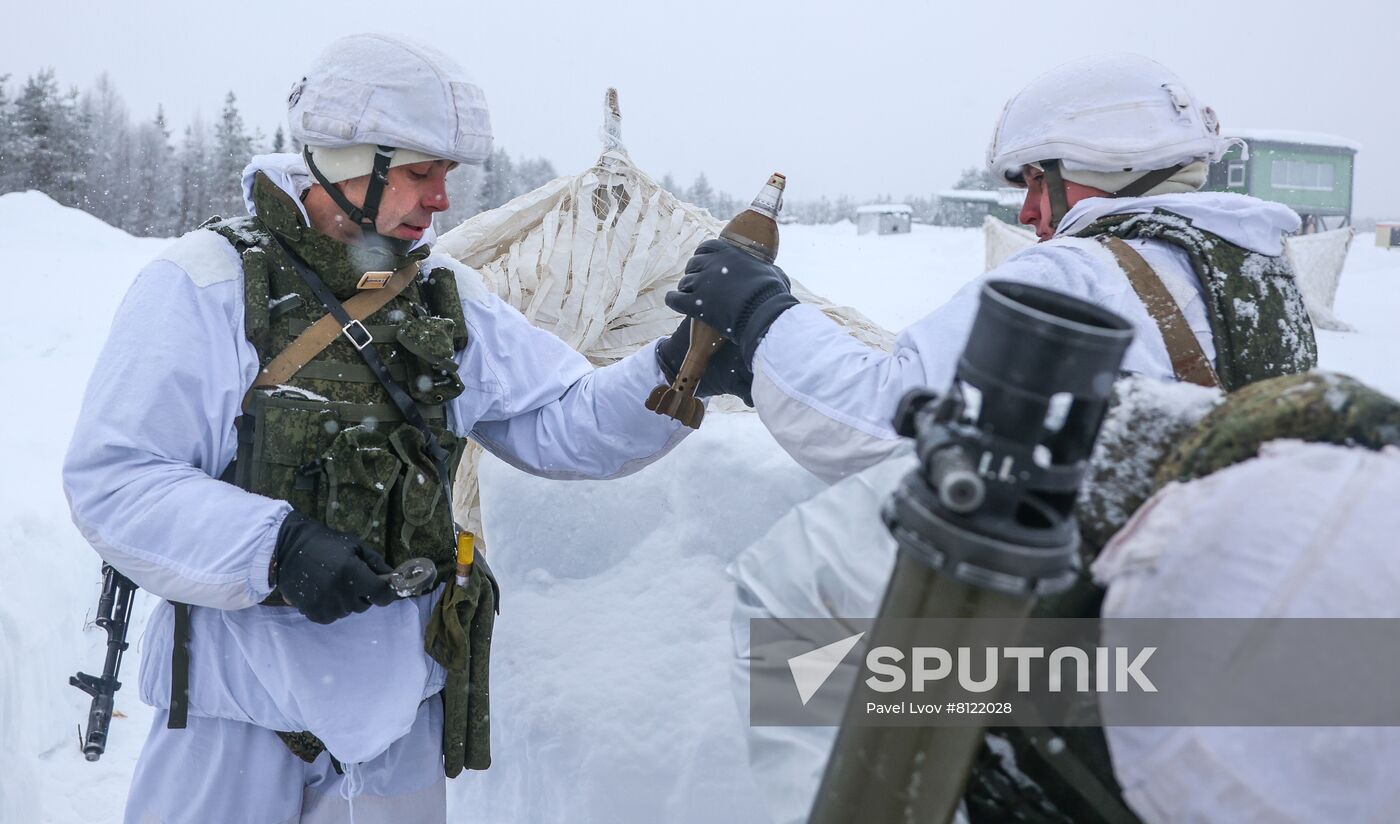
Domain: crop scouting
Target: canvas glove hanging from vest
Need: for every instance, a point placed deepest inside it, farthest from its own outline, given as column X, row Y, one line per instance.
column 326, row 574
column 459, row 638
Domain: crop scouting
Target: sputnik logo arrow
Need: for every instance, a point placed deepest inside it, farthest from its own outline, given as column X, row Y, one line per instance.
column 811, row 669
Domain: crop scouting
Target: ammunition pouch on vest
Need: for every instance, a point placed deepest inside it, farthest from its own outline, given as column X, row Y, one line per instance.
column 358, row 468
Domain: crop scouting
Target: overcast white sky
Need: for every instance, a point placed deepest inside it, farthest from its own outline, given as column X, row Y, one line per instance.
column 864, row 98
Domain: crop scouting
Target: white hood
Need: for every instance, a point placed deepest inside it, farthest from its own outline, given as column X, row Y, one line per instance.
column 1257, row 225
column 289, row 172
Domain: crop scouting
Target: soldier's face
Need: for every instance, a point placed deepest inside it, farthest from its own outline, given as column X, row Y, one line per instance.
column 1035, row 211
column 414, row 193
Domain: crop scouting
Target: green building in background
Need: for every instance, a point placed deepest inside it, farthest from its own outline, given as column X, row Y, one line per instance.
column 1311, row 173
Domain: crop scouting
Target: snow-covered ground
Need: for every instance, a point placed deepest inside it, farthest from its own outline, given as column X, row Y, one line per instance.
column 610, row 673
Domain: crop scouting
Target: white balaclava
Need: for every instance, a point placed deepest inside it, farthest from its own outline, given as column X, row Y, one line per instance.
column 1188, row 178
column 349, row 162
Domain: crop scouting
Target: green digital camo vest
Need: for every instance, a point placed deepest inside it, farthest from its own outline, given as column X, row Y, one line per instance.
column 1261, row 330
column 330, row 441
column 1258, row 322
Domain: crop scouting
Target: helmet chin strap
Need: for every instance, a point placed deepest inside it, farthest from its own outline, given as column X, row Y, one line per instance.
column 366, row 215
column 1147, row 182
column 1055, row 187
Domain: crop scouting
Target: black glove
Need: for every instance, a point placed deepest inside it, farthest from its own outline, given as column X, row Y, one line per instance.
column 734, row 292
column 725, row 374
column 326, row 574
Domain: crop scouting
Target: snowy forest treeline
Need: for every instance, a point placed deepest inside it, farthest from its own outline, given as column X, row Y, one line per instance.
column 84, row 149
column 144, row 175
column 810, row 211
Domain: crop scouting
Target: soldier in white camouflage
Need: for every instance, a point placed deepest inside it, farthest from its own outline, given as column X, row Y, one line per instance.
column 1111, row 152
column 273, row 425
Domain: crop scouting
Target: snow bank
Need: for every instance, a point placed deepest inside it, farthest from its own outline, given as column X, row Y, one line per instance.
column 610, row 675
column 48, row 350
column 1368, row 296
column 892, row 279
column 610, row 692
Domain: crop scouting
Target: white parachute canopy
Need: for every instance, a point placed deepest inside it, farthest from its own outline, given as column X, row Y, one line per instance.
column 590, row 257
column 1317, row 259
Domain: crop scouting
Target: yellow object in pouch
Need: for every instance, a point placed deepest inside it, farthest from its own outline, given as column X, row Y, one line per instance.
column 466, row 554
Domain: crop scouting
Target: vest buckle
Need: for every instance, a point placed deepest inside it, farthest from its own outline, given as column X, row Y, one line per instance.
column 374, row 280
column 357, row 334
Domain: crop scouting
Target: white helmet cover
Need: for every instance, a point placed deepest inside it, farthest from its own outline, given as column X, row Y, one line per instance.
column 384, row 91
column 1114, row 113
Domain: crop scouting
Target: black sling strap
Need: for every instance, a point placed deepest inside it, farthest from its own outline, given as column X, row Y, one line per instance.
column 361, row 339
column 180, row 649
column 180, row 669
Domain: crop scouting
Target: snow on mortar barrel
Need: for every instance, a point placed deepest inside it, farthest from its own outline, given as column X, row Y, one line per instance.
column 985, row 525
column 755, row 230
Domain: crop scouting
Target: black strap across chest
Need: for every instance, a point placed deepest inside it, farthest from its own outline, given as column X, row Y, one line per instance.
column 360, row 337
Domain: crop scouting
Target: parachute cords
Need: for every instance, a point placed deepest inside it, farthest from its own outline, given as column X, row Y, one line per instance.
column 351, row 786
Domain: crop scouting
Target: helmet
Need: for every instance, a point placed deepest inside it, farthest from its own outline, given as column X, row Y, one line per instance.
column 369, row 89
column 368, row 98
column 1114, row 113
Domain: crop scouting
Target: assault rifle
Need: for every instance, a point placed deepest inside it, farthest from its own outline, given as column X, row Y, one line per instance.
column 113, row 615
